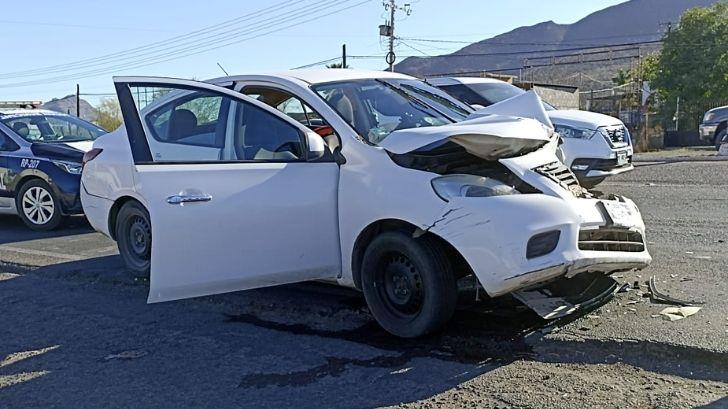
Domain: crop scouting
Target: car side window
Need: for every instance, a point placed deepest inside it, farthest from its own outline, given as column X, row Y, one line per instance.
column 7, row 144
column 190, row 120
column 260, row 136
column 195, row 126
column 295, row 108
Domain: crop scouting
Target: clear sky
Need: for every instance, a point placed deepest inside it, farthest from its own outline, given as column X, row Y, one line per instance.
column 35, row 35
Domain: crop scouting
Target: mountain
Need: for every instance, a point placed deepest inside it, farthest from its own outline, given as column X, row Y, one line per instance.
column 629, row 22
column 67, row 105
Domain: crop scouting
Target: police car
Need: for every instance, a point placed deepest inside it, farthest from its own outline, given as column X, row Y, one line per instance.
column 41, row 156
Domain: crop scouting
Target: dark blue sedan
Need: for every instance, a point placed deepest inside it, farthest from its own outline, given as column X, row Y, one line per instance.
column 41, row 156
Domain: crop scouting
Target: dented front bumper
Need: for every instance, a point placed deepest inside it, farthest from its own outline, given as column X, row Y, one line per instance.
column 493, row 234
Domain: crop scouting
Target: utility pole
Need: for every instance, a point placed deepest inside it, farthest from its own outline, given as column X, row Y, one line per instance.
column 343, row 56
column 78, row 101
column 387, row 29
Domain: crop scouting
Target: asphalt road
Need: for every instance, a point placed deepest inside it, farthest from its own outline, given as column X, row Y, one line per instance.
column 75, row 330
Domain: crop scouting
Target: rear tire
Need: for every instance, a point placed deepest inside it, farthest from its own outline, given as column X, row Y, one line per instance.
column 134, row 237
column 719, row 138
column 408, row 284
column 38, row 206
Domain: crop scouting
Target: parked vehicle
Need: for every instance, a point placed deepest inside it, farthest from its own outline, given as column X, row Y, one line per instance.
column 594, row 147
column 40, row 165
column 714, row 126
column 374, row 180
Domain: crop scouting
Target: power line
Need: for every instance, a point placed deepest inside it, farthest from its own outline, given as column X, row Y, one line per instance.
column 313, row 64
column 294, row 20
column 149, row 49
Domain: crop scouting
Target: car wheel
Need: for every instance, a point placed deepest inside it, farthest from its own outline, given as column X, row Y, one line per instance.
column 134, row 237
column 408, row 284
column 719, row 137
column 37, row 206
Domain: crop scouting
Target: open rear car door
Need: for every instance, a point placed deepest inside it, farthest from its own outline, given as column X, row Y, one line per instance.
column 237, row 194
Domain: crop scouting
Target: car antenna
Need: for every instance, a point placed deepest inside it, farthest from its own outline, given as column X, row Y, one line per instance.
column 223, row 69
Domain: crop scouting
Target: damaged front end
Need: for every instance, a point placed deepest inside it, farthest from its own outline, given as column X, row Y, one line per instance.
column 515, row 213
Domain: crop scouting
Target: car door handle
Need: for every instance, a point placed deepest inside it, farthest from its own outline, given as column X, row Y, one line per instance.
column 182, row 199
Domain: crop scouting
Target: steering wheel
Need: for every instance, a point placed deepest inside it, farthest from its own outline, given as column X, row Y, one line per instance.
column 289, row 146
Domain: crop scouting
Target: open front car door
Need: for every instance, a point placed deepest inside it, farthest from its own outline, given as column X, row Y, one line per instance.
column 239, row 195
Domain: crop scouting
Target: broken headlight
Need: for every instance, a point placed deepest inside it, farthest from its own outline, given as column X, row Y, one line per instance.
column 451, row 186
column 575, row 132
column 69, row 167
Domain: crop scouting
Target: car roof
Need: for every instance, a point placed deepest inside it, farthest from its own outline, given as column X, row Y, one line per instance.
column 16, row 112
column 320, row 76
column 463, row 80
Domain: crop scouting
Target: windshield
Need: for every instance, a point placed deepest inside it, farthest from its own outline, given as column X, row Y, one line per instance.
column 486, row 94
column 52, row 128
column 375, row 108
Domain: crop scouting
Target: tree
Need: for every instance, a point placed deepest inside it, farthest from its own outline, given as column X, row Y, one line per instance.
column 693, row 64
column 109, row 114
column 337, row 65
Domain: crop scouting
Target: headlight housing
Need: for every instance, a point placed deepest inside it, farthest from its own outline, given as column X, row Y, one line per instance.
column 708, row 116
column 566, row 131
column 69, row 167
column 450, row 186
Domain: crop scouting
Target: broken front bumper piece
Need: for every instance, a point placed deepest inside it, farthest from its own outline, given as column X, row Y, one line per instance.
column 493, row 236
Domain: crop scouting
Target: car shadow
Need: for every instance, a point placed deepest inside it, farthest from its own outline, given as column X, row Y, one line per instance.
column 94, row 308
column 14, row 230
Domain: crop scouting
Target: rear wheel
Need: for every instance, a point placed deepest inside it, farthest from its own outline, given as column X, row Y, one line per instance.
column 134, row 237
column 408, row 284
column 37, row 206
column 719, row 137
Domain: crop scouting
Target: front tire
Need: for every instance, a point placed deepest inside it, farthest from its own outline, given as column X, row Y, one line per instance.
column 38, row 206
column 408, row 284
column 134, row 238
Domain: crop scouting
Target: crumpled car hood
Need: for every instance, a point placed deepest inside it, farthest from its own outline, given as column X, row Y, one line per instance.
column 491, row 137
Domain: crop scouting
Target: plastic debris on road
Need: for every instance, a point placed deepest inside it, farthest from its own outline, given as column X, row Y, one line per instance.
column 678, row 313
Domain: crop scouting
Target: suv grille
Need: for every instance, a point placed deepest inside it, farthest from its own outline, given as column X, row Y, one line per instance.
column 559, row 173
column 616, row 134
column 611, row 239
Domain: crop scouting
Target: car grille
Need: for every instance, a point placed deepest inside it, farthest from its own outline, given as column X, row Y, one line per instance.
column 617, row 135
column 559, row 173
column 611, row 239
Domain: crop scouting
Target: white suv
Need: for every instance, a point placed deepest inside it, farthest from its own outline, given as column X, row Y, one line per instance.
column 594, row 145
column 364, row 178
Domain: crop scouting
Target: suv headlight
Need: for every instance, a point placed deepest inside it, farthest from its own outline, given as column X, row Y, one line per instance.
column 709, row 116
column 451, row 186
column 69, row 167
column 574, row 132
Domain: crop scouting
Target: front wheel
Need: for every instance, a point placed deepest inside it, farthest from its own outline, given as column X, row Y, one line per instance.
column 408, row 284
column 134, row 238
column 37, row 206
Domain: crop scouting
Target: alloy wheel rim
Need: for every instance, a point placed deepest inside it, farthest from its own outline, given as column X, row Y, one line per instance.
column 38, row 206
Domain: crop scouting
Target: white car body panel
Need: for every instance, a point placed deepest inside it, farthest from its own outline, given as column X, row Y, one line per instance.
column 212, row 247
column 572, row 148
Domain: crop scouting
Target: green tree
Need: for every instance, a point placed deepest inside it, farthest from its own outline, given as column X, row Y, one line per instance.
column 337, row 65
column 693, row 64
column 109, row 114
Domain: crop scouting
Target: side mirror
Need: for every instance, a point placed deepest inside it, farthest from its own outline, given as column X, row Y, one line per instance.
column 316, row 146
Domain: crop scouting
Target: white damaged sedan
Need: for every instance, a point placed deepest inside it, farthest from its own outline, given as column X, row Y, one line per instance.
column 371, row 179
